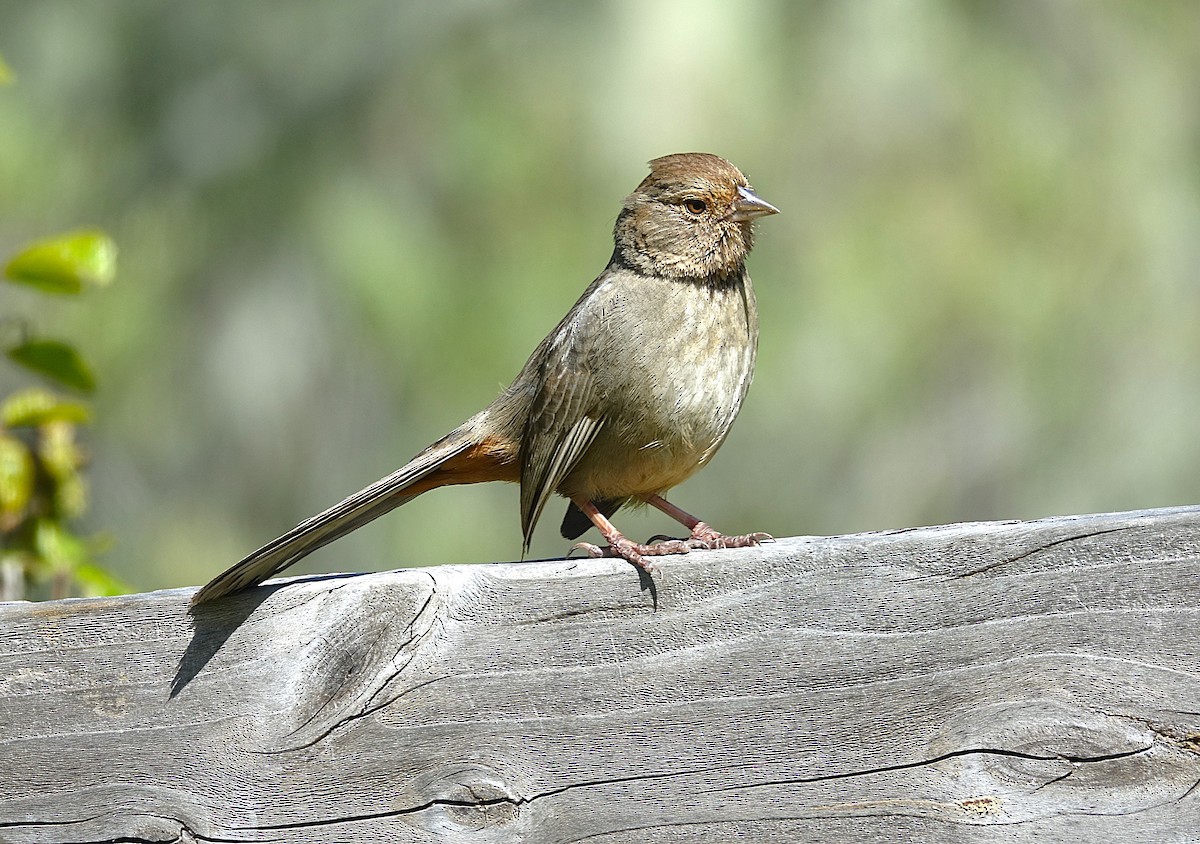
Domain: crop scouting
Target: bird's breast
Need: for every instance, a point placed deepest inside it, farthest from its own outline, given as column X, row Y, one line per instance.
column 679, row 360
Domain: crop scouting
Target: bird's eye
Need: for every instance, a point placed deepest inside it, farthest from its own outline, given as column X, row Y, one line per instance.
column 695, row 206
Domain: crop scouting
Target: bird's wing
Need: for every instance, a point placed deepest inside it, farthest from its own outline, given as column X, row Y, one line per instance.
column 563, row 421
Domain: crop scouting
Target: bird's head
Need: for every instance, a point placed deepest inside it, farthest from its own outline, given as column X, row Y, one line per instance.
column 691, row 217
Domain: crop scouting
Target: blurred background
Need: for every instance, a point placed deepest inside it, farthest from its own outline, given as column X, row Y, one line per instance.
column 343, row 227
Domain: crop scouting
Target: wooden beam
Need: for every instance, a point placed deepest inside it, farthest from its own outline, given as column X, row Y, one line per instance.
column 1016, row 681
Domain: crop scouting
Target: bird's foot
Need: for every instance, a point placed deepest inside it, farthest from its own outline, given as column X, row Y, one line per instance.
column 703, row 538
column 706, row 538
column 627, row 549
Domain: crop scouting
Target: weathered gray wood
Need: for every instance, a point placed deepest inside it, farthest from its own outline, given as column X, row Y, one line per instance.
column 984, row 682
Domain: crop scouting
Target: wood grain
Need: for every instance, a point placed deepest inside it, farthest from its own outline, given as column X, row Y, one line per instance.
column 998, row 682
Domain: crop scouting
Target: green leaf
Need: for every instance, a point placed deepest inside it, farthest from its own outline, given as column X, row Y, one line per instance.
column 35, row 406
column 60, row 548
column 54, row 360
column 61, row 458
column 64, row 264
column 6, row 74
column 16, row 480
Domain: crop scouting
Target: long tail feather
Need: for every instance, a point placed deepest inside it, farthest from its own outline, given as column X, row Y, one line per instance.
column 365, row 505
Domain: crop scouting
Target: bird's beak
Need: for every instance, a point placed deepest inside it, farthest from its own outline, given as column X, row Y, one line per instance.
column 748, row 206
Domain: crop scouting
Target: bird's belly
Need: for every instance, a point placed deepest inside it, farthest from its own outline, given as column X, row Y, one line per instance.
column 613, row 469
column 683, row 385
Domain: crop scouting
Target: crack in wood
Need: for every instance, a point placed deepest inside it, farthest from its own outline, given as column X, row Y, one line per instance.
column 1053, row 780
column 185, row 835
column 398, row 666
column 483, row 803
column 343, row 722
column 1039, row 549
column 954, row 754
column 390, row 813
column 333, row 694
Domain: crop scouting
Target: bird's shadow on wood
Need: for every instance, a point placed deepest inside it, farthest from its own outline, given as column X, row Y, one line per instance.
column 212, row 625
column 645, row 579
column 647, row 584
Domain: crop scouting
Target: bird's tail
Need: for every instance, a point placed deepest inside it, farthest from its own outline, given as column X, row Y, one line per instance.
column 459, row 457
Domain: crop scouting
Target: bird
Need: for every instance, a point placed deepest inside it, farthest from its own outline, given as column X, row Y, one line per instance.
column 629, row 395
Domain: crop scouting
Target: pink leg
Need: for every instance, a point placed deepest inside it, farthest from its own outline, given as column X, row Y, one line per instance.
column 704, row 536
column 619, row 545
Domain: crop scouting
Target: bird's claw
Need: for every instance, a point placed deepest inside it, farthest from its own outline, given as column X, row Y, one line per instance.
column 704, row 537
column 631, row 551
column 593, row 551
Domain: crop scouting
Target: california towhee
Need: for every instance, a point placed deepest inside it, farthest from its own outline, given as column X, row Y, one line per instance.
column 628, row 396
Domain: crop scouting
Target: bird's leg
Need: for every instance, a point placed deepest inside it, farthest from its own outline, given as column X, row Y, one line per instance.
column 704, row 536
column 619, row 545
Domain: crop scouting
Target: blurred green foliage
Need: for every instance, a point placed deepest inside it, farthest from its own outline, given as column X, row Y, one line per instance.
column 42, row 488
column 344, row 226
